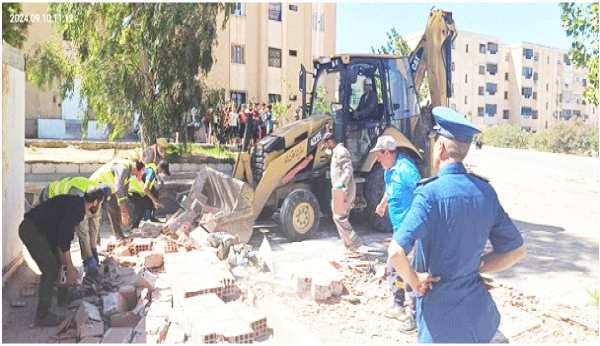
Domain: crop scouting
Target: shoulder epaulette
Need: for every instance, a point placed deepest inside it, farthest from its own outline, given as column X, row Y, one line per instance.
column 426, row 180
column 480, row 177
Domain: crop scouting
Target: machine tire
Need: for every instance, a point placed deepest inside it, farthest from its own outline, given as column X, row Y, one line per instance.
column 374, row 190
column 300, row 215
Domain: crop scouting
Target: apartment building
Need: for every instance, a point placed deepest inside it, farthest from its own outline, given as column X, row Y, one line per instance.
column 260, row 51
column 257, row 59
column 523, row 84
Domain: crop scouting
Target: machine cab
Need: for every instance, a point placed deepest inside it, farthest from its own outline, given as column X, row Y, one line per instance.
column 364, row 94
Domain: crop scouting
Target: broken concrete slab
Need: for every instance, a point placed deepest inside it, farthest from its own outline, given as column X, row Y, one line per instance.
column 199, row 237
column 159, row 309
column 90, row 328
column 124, row 319
column 118, row 336
column 87, row 312
column 150, row 259
column 91, row 340
column 144, row 278
column 129, row 294
column 113, row 303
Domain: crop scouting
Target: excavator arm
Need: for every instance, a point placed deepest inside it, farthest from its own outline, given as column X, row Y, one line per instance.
column 432, row 54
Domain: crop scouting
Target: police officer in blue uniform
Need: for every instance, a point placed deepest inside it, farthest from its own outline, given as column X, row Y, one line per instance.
column 452, row 216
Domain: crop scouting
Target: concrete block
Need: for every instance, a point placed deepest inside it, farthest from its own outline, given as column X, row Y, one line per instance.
column 175, row 167
column 91, row 340
column 124, row 319
column 38, row 168
column 188, row 167
column 90, row 328
column 28, row 168
column 197, row 207
column 89, row 168
column 204, row 331
column 320, row 288
column 175, row 335
column 199, row 237
column 69, row 168
column 128, row 292
column 237, row 332
column 144, row 278
column 113, row 303
column 159, row 309
column 254, row 317
column 118, row 336
column 165, row 246
column 150, row 259
column 301, row 283
column 337, row 287
column 87, row 312
column 207, row 301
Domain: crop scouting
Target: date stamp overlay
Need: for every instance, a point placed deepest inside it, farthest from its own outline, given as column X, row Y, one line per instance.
column 40, row 18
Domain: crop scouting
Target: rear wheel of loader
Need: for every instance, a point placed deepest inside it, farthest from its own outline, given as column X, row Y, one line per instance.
column 300, row 215
column 374, row 190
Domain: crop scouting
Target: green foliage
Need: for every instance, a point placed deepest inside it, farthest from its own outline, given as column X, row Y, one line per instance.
column 134, row 56
column 594, row 296
column 569, row 137
column 195, row 149
column 322, row 106
column 281, row 112
column 505, row 136
column 581, row 22
column 13, row 32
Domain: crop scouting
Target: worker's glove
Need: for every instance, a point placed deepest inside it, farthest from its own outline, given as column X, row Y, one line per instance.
column 339, row 186
column 91, row 267
column 95, row 254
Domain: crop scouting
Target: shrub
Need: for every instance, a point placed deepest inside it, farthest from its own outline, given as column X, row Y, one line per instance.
column 570, row 137
column 506, row 136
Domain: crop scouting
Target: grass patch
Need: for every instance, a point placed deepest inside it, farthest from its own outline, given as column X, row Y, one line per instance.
column 217, row 152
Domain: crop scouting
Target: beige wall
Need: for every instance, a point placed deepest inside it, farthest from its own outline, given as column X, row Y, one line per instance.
column 256, row 33
column 13, row 148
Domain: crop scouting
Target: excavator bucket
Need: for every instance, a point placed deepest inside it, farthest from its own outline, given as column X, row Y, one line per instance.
column 227, row 202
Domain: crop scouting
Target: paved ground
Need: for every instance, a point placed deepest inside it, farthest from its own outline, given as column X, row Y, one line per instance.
column 552, row 198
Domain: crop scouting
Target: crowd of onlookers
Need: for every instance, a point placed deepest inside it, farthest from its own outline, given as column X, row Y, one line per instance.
column 229, row 124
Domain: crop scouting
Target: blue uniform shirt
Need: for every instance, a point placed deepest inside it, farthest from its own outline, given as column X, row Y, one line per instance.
column 148, row 175
column 451, row 218
column 400, row 183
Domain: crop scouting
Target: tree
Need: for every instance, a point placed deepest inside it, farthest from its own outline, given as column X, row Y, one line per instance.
column 581, row 22
column 146, row 57
column 14, row 28
column 396, row 45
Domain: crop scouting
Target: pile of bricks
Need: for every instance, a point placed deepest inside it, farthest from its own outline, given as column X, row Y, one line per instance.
column 317, row 279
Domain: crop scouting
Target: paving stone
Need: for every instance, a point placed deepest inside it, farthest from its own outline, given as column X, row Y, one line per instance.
column 118, row 336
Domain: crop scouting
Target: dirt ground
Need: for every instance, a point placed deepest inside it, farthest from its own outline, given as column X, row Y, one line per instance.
column 553, row 200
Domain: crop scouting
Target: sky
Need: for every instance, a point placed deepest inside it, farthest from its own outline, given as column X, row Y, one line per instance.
column 362, row 25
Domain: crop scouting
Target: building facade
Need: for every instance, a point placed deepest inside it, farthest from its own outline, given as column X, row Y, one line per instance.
column 259, row 53
column 522, row 84
column 257, row 59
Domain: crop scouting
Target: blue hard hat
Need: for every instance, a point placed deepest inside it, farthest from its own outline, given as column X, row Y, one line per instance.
column 453, row 125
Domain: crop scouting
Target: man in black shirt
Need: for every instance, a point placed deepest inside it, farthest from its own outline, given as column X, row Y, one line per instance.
column 47, row 231
column 367, row 105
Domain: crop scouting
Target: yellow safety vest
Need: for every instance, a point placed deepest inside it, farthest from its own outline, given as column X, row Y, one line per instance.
column 137, row 186
column 105, row 175
column 63, row 187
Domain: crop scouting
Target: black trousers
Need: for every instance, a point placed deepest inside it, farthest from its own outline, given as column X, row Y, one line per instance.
column 46, row 257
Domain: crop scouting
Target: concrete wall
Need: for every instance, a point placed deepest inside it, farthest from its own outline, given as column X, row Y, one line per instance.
column 13, row 148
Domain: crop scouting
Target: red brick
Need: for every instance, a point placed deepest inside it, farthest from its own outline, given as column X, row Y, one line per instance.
column 141, row 244
column 118, row 336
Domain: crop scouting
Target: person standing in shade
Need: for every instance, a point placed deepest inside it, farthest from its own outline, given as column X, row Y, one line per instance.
column 342, row 177
column 401, row 177
column 452, row 216
column 47, row 231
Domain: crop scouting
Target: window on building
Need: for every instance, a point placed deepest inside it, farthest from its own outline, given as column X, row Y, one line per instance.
column 506, row 76
column 507, row 57
column 567, row 82
column 466, row 78
column 506, row 95
column 577, row 79
column 534, row 95
column 274, row 57
column 558, row 61
column 293, row 52
column 275, row 11
column 453, row 66
column 584, row 82
column 491, row 88
column 526, row 111
column 294, row 8
column 237, row 54
column 480, row 90
column 466, row 48
column 238, row 97
column 465, row 100
column 566, row 60
column 317, row 22
column 547, row 60
column 546, row 105
column 274, row 98
column 528, row 72
column 482, row 48
column 528, row 53
column 577, row 113
column 566, row 114
column 534, row 114
column 492, row 68
column 560, row 98
column 505, row 114
column 239, row 9
column 547, row 86
column 535, row 76
column 481, row 69
column 536, row 57
column 490, row 110
column 492, row 47
column 577, row 99
column 567, row 97
column 479, row 111
column 526, row 92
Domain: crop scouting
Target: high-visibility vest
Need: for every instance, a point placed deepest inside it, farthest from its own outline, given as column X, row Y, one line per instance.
column 63, row 187
column 105, row 175
column 137, row 186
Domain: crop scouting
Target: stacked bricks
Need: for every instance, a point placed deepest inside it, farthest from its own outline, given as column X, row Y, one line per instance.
column 256, row 319
column 141, row 244
column 317, row 279
column 165, row 245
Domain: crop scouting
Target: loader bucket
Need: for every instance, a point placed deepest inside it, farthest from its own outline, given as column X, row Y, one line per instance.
column 228, row 199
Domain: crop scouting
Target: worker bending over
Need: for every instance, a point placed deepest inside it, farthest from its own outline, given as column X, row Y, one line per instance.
column 143, row 194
